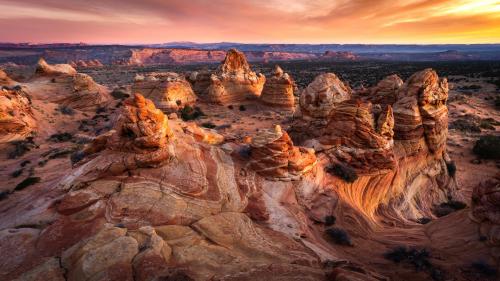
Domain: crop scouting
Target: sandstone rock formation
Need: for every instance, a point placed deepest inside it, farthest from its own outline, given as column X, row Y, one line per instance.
column 321, row 96
column 5, row 80
column 140, row 138
column 420, row 111
column 362, row 140
column 16, row 116
column 86, row 63
column 486, row 212
column 201, row 81
column 385, row 92
column 169, row 91
column 234, row 81
column 274, row 156
column 73, row 89
column 278, row 90
column 44, row 69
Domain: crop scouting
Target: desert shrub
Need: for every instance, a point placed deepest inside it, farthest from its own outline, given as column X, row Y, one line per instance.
column 209, row 125
column 343, row 171
column 242, row 108
column 100, row 109
column 487, row 147
column 424, row 220
column 452, row 168
column 190, row 113
column 339, row 236
column 448, row 207
column 77, row 157
column 419, row 258
column 330, row 220
column 119, row 94
column 245, row 151
column 16, row 173
column 61, row 137
column 488, row 124
column 66, row 110
column 466, row 125
column 27, row 182
column 230, row 107
column 484, row 269
column 4, row 195
column 178, row 102
column 21, row 147
column 24, row 163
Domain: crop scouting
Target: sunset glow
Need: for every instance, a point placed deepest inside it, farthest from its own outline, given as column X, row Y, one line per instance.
column 271, row 21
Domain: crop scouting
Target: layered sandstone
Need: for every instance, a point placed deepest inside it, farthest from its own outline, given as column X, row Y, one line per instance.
column 76, row 90
column 420, row 112
column 321, row 96
column 274, row 156
column 361, row 139
column 140, row 138
column 16, row 115
column 86, row 63
column 385, row 92
column 234, row 81
column 278, row 90
column 169, row 91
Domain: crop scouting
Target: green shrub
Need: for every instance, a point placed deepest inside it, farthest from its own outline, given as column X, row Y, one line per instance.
column 190, row 113
column 27, row 182
column 209, row 125
column 487, row 147
column 339, row 236
column 343, row 171
column 452, row 168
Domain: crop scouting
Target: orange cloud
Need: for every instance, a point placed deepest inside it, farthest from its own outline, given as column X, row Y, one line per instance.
column 288, row 21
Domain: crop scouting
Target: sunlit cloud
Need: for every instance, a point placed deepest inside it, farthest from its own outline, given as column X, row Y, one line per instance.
column 272, row 21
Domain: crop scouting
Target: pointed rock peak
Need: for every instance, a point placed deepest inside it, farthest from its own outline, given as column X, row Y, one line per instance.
column 385, row 123
column 267, row 136
column 277, row 71
column 235, row 61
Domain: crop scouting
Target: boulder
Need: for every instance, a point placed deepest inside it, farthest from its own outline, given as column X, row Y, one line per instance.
column 322, row 95
column 169, row 91
column 278, row 90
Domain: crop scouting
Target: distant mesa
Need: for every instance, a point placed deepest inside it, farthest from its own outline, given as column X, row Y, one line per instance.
column 340, row 56
column 278, row 90
column 234, row 81
column 168, row 90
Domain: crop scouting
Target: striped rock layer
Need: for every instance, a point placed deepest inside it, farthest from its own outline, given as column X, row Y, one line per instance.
column 16, row 115
column 278, row 90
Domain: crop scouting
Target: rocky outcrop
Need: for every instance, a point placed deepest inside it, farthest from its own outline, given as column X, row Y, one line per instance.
column 140, row 138
column 234, row 81
column 278, row 90
column 321, row 96
column 274, row 156
column 5, row 80
column 45, row 69
column 16, row 116
column 420, row 112
column 73, row 89
column 362, row 139
column 86, row 63
column 169, row 91
column 385, row 92
column 200, row 80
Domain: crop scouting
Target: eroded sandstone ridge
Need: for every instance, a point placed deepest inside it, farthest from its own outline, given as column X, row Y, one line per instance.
column 5, row 80
column 274, row 156
column 169, row 91
column 16, row 116
column 321, row 96
column 76, row 90
column 278, row 90
column 234, row 81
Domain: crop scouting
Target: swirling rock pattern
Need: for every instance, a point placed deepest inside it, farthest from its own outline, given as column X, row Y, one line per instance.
column 273, row 155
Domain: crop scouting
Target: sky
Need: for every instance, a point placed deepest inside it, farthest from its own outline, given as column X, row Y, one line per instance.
column 251, row 21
